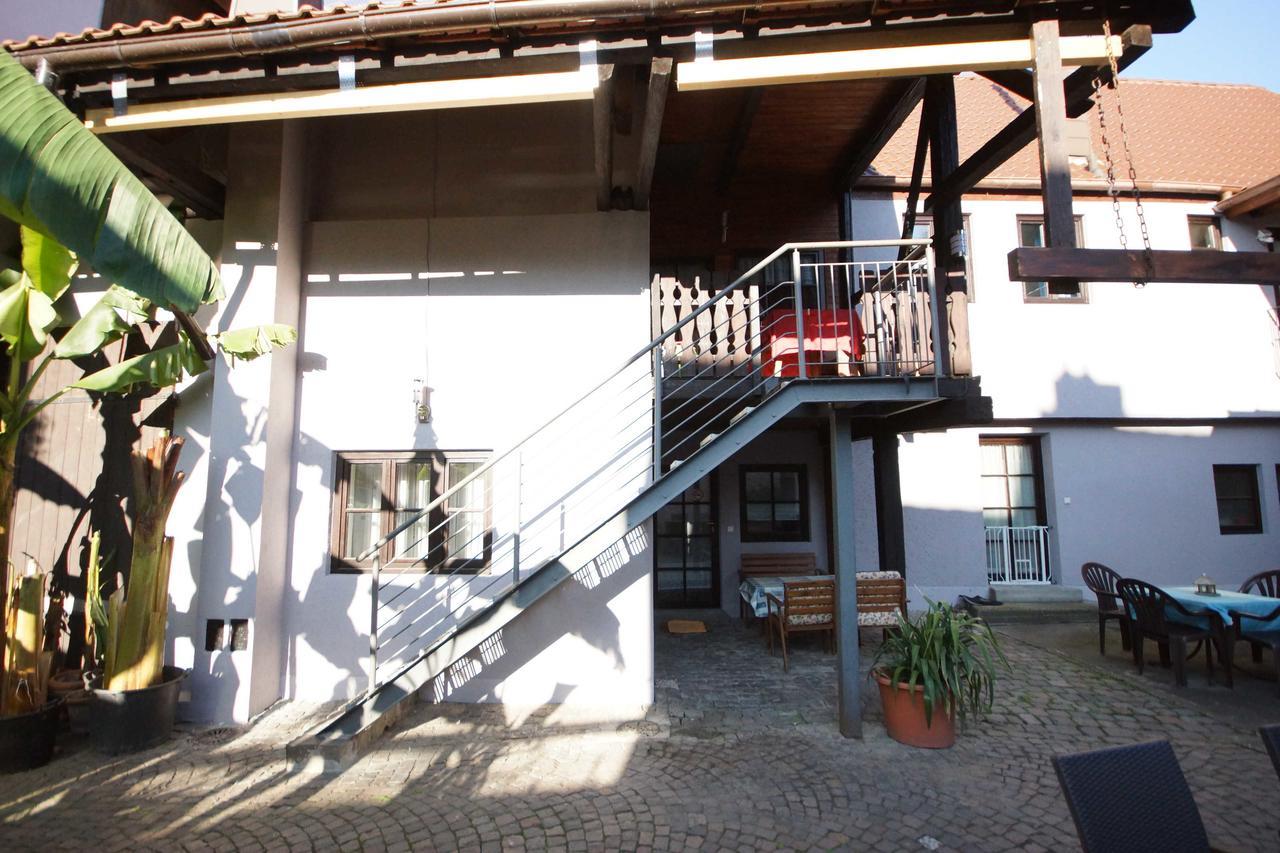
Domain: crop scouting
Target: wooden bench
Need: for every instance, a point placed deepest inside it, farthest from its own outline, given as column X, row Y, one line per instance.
column 774, row 565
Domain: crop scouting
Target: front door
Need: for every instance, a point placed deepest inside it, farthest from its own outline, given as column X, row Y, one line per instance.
column 687, row 572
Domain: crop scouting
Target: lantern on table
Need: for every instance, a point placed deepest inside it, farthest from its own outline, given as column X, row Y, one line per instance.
column 1206, row 586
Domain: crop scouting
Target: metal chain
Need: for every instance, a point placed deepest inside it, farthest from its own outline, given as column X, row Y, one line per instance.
column 1128, row 155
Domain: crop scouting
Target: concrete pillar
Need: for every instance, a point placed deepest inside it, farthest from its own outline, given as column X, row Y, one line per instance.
column 844, row 569
column 245, row 521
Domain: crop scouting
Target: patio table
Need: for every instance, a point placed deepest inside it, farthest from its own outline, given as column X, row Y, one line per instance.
column 756, row 589
column 1222, row 603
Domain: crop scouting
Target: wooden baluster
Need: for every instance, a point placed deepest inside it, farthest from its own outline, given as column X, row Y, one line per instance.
column 722, row 348
column 702, row 324
column 753, row 323
column 686, row 352
column 737, row 330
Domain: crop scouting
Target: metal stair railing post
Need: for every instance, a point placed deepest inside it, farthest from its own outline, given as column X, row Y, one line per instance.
column 519, row 522
column 373, row 622
column 657, row 413
column 801, row 373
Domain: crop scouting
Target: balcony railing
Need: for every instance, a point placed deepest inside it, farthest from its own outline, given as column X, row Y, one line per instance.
column 1018, row 555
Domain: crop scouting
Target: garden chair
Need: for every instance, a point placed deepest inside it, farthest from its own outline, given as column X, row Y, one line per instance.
column 1263, row 583
column 1131, row 799
column 882, row 596
column 805, row 606
column 1252, row 628
column 1101, row 581
column 1149, row 606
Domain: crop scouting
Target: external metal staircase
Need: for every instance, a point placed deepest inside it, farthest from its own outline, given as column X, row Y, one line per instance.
column 857, row 330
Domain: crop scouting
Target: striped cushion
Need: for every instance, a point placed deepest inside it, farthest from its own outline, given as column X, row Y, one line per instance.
column 884, row 619
column 877, row 576
column 809, row 619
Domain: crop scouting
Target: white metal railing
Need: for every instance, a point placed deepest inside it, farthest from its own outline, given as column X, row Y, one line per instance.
column 1275, row 338
column 1018, row 555
column 570, row 475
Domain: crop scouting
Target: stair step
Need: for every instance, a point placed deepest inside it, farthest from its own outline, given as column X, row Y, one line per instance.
column 1014, row 593
column 740, row 415
column 1034, row 613
column 707, row 439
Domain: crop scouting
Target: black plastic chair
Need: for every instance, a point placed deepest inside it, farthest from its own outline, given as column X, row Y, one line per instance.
column 1263, row 583
column 1131, row 799
column 1148, row 605
column 1256, row 635
column 1101, row 581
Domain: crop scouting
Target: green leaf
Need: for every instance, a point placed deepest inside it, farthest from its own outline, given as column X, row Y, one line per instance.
column 110, row 319
column 58, row 179
column 252, row 341
column 158, row 368
column 26, row 315
column 47, row 263
column 9, row 277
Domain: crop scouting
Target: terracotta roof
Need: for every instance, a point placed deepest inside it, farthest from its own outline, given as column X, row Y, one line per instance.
column 1219, row 135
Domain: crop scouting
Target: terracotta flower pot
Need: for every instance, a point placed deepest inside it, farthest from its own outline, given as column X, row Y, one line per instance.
column 905, row 719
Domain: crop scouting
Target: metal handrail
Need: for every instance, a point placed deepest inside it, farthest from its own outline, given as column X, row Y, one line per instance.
column 654, row 351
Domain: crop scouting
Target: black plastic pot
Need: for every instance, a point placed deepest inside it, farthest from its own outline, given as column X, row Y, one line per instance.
column 26, row 740
column 130, row 720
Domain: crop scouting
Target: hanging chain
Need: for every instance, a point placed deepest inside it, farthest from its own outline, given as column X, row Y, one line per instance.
column 1112, row 189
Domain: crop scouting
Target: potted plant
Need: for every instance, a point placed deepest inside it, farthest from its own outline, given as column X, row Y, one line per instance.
column 28, row 717
column 135, row 697
column 934, row 669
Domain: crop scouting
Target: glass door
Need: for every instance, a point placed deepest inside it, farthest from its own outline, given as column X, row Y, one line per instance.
column 687, row 573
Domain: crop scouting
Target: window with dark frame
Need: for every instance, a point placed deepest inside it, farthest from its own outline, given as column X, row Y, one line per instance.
column 1031, row 236
column 1012, row 482
column 1236, row 490
column 1205, row 232
column 774, row 503
column 924, row 229
column 375, row 492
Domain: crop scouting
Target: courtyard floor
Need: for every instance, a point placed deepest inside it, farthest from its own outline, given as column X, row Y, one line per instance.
column 735, row 755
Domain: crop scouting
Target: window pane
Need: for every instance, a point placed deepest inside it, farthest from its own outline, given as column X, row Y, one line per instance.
column 786, row 486
column 413, row 485
column 786, row 512
column 1204, row 233
column 466, row 536
column 364, row 488
column 697, row 580
column 759, row 512
column 411, row 544
column 470, row 495
column 1234, row 482
column 1024, row 517
column 699, row 516
column 1020, row 458
column 670, row 521
column 699, row 551
column 670, row 553
column 1064, row 289
column 1022, row 491
column 995, row 518
column 1236, row 512
column 993, row 492
column 670, row 581
column 757, row 485
column 992, row 459
column 1030, row 234
column 362, row 532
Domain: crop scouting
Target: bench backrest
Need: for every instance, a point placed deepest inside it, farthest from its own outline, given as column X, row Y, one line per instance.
column 809, row 598
column 790, row 563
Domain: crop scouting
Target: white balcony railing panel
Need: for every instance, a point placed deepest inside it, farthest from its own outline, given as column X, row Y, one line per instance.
column 1018, row 555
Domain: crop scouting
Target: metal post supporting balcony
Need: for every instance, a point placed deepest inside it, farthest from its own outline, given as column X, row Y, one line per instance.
column 515, row 534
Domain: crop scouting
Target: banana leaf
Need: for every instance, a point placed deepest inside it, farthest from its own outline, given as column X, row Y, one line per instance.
column 252, row 341
column 26, row 316
column 47, row 263
column 158, row 368
column 111, row 318
column 58, row 179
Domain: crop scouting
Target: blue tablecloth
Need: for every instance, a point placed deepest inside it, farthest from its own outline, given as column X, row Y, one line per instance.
column 756, row 589
column 1224, row 602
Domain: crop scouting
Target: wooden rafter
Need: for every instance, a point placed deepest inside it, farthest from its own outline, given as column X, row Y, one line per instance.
column 1021, row 132
column 602, row 133
column 1198, row 267
column 738, row 142
column 1015, row 80
column 654, row 107
column 1051, row 133
column 866, row 149
column 202, row 194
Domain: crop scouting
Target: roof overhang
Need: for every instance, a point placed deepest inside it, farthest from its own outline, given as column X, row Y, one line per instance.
column 1259, row 199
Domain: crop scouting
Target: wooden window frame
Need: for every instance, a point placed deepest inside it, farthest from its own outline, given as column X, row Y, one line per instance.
column 1083, row 298
column 1037, row 468
column 1215, row 228
column 440, row 461
column 1254, row 496
column 805, row 531
column 927, row 219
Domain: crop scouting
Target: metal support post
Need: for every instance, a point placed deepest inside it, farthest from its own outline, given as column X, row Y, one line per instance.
column 657, row 413
column 515, row 535
column 373, row 622
column 801, row 372
column 847, row 667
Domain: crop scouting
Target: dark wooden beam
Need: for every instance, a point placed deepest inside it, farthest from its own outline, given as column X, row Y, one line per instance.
column 1016, row 81
column 944, row 154
column 654, row 105
column 1051, row 133
column 738, row 142
column 890, row 533
column 602, row 132
column 1202, row 267
column 1019, row 133
column 866, row 149
column 917, row 178
column 186, row 183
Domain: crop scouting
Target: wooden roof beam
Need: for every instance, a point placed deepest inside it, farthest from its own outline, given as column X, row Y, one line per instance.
column 910, row 95
column 741, row 131
column 1021, row 132
column 602, row 133
column 1194, row 267
column 654, row 106
column 204, row 195
column 1016, row 80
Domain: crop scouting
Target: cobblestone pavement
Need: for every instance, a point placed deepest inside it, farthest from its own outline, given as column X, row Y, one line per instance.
column 735, row 755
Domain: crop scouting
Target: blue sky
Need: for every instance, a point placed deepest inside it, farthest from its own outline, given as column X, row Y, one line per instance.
column 1230, row 41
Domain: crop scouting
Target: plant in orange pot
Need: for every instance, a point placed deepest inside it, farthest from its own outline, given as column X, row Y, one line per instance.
column 935, row 669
